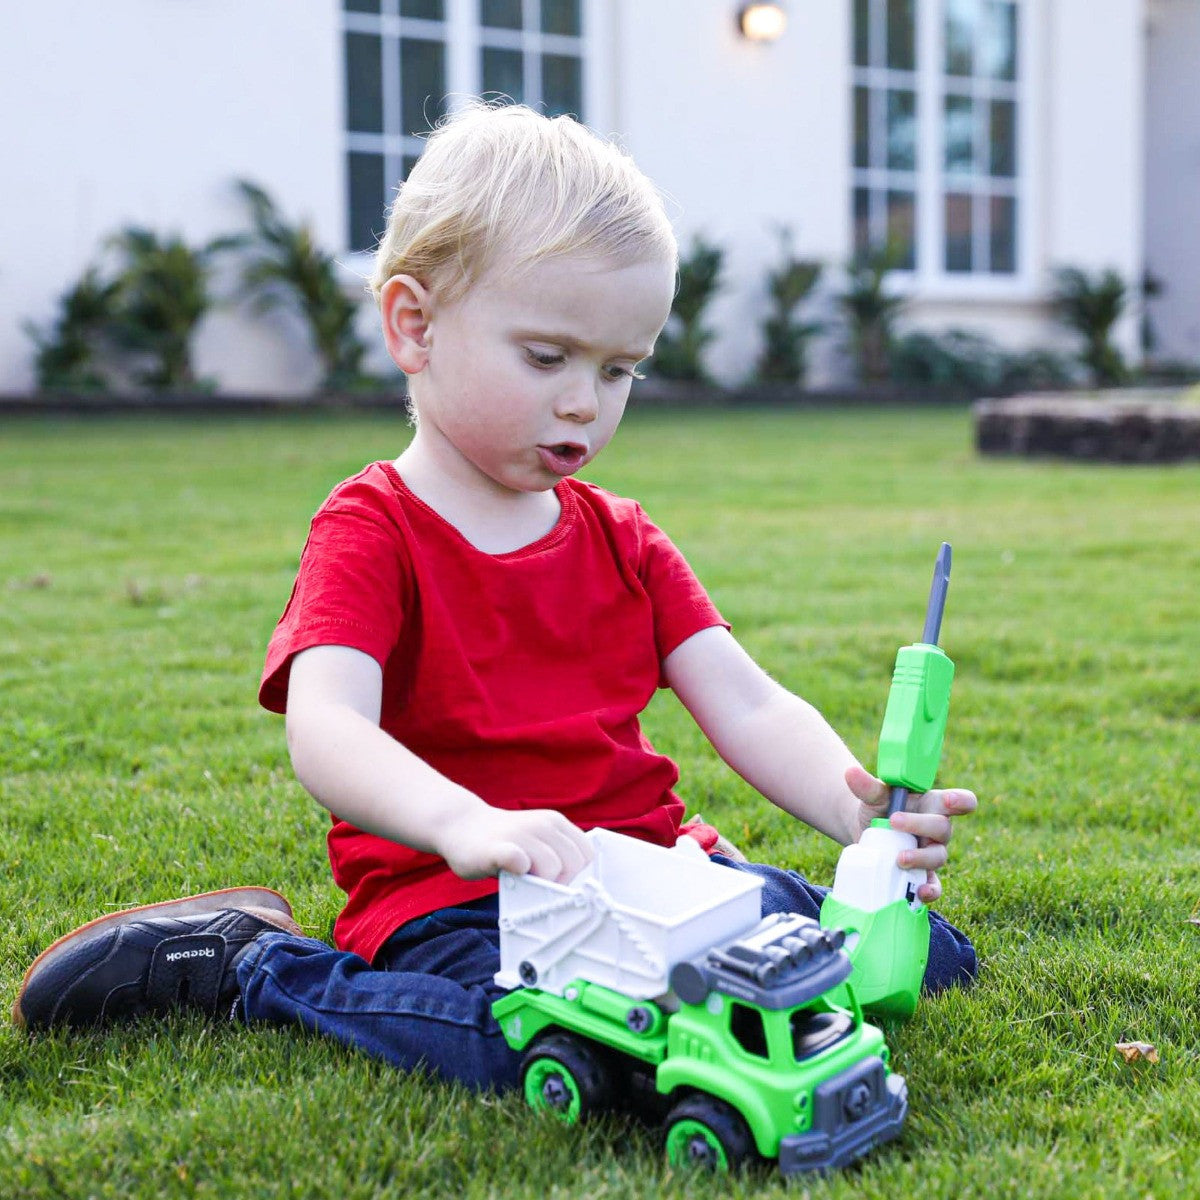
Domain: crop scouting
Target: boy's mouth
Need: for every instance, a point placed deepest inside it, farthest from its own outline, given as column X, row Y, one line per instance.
column 563, row 458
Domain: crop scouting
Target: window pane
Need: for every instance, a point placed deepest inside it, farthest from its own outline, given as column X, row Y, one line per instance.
column 958, row 232
column 901, row 130
column 562, row 84
column 862, row 127
column 365, row 210
column 862, row 222
column 997, row 51
column 1003, row 138
column 500, row 14
column 961, row 26
column 960, row 133
column 504, row 72
column 364, row 83
column 430, row 10
column 371, row 6
column 746, row 1026
column 902, row 229
column 901, row 35
column 422, row 83
column 561, row 16
column 1003, row 214
column 862, row 33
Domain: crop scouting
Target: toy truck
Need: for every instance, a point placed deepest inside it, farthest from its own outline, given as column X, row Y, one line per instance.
column 651, row 981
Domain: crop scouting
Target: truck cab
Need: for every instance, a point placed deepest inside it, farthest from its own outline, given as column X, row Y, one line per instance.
column 747, row 1052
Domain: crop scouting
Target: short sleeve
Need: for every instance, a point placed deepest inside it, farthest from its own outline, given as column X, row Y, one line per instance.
column 352, row 589
column 681, row 605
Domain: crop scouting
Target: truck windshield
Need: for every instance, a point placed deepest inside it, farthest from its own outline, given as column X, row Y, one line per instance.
column 813, row 1032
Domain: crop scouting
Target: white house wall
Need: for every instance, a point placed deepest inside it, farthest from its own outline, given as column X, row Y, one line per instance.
column 1094, row 121
column 143, row 112
column 744, row 137
column 1173, row 176
column 139, row 111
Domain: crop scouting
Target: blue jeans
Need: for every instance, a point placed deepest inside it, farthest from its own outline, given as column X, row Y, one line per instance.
column 427, row 1000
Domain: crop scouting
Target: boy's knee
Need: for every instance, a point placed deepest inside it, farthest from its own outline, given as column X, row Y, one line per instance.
column 952, row 959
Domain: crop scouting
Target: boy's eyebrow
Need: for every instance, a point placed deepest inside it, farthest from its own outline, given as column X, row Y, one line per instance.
column 574, row 343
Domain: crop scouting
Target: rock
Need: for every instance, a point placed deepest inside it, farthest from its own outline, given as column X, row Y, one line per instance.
column 1120, row 426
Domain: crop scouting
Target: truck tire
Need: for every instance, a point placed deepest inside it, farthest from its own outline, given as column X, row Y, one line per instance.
column 703, row 1131
column 563, row 1075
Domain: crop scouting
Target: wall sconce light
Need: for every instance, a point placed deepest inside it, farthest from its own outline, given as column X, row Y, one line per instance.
column 762, row 22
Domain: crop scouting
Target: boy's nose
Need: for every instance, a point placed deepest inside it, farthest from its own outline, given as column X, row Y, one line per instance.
column 578, row 401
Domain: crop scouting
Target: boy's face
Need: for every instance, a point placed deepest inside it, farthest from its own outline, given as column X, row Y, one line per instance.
column 524, row 379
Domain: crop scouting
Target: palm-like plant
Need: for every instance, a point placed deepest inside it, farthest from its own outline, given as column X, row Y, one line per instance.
column 161, row 295
column 287, row 269
column 1091, row 306
column 784, row 358
column 65, row 358
column 680, row 348
column 871, row 312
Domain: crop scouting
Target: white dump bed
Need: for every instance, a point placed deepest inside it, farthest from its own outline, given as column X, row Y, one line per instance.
column 623, row 922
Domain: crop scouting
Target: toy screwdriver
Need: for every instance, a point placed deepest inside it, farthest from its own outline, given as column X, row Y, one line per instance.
column 873, row 899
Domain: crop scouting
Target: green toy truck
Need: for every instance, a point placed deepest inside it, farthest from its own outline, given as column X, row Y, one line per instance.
column 651, row 974
column 739, row 1044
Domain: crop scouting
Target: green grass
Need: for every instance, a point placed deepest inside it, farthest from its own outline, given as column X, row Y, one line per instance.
column 143, row 565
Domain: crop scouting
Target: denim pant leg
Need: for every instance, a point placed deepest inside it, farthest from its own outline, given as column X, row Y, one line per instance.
column 951, row 955
column 425, row 1003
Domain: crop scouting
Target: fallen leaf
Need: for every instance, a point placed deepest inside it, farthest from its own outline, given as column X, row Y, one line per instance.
column 1136, row 1051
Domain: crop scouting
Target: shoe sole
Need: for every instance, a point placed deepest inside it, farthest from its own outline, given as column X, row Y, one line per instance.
column 245, row 897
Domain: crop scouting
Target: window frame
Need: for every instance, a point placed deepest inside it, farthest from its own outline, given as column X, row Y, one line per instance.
column 463, row 38
column 929, row 278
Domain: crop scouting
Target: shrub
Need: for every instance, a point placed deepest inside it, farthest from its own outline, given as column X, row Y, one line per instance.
column 1090, row 305
column 871, row 312
column 67, row 355
column 161, row 294
column 972, row 363
column 680, row 349
column 784, row 358
column 285, row 268
column 955, row 359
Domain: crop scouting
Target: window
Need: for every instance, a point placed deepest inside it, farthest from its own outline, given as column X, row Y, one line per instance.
column 885, row 128
column 936, row 161
column 746, row 1026
column 979, row 90
column 404, row 59
column 531, row 52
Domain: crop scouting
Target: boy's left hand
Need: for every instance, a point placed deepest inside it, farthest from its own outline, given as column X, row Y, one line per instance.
column 927, row 816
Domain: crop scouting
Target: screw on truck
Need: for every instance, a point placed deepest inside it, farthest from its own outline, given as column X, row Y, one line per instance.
column 652, row 975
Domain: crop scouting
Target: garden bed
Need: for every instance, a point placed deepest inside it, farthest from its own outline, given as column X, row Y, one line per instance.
column 649, row 393
column 1120, row 426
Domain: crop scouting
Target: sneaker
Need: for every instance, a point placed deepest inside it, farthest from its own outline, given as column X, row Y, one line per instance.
column 177, row 954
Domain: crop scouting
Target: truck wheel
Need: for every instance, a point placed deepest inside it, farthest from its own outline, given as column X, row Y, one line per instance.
column 563, row 1075
column 703, row 1131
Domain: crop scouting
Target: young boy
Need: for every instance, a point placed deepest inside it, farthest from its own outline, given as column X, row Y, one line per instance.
column 473, row 634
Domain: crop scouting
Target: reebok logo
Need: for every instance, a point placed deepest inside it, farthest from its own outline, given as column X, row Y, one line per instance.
column 207, row 952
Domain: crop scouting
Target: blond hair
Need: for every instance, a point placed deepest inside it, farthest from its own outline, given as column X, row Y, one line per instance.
column 503, row 180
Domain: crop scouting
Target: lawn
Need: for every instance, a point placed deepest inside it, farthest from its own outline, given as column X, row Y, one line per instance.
column 143, row 564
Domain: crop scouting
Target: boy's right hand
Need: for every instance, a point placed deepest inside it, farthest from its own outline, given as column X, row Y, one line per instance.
column 536, row 841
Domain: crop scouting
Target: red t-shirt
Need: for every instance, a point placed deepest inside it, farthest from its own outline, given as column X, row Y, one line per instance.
column 519, row 676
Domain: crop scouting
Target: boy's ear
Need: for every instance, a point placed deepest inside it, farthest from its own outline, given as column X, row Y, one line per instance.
column 407, row 308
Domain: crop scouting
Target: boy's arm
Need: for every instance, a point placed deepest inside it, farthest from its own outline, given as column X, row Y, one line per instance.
column 364, row 776
column 783, row 747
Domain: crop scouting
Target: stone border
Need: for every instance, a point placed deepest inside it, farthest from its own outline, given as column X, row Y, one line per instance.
column 1122, row 426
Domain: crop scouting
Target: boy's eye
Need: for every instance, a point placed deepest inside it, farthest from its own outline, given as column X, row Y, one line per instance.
column 614, row 373
column 543, row 358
